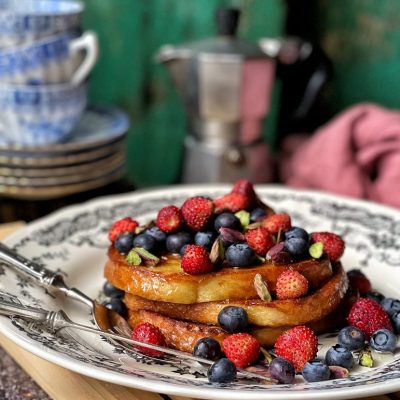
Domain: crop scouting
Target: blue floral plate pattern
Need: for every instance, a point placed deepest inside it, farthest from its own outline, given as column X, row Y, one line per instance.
column 74, row 242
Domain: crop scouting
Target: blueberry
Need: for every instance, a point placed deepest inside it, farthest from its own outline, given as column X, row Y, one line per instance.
column 227, row 220
column 124, row 242
column 111, row 291
column 207, row 347
column 376, row 296
column 339, row 355
column 282, row 370
column 351, row 338
column 296, row 232
column 222, row 371
column 156, row 233
column 204, row 239
column 296, row 246
column 256, row 214
column 146, row 241
column 383, row 340
column 390, row 305
column 239, row 255
column 316, row 371
column 117, row 305
column 395, row 318
column 233, row 319
column 176, row 241
column 182, row 250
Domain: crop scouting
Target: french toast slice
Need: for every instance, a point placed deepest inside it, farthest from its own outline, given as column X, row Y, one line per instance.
column 183, row 335
column 267, row 314
column 168, row 283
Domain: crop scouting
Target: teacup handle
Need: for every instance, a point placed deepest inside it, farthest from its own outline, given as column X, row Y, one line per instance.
column 88, row 43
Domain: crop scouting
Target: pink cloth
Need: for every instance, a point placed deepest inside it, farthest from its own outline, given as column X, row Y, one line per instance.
column 356, row 154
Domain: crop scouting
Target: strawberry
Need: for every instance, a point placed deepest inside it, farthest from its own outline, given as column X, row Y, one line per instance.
column 196, row 260
column 291, row 284
column 196, row 212
column 277, row 222
column 259, row 240
column 232, row 202
column 148, row 333
column 243, row 186
column 169, row 219
column 333, row 245
column 359, row 281
column 297, row 345
column 121, row 226
column 242, row 349
column 369, row 316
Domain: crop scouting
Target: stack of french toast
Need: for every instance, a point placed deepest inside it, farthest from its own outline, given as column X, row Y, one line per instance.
column 186, row 306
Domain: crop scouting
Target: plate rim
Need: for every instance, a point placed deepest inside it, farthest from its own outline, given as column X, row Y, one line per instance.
column 172, row 388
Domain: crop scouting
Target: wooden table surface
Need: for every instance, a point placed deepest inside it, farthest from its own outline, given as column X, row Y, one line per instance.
column 62, row 384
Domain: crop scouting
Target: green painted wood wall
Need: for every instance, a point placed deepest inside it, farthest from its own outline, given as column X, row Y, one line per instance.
column 130, row 32
column 362, row 37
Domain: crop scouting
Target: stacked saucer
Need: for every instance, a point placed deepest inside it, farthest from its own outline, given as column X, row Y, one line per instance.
column 92, row 157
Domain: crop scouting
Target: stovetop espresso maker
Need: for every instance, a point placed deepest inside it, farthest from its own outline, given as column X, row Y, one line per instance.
column 225, row 84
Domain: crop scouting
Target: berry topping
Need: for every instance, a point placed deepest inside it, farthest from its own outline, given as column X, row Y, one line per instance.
column 395, row 318
column 383, row 341
column 157, row 234
column 116, row 304
column 144, row 240
column 242, row 349
column 169, row 219
column 351, row 338
column 222, row 371
column 232, row 202
column 239, row 255
column 257, row 214
column 207, row 347
column 227, row 220
column 233, row 319
column 296, row 232
column 245, row 187
column 378, row 297
column 281, row 370
column 196, row 260
column 333, row 245
column 296, row 246
column 277, row 222
column 390, row 305
column 124, row 242
column 259, row 240
column 196, row 212
column 176, row 241
column 316, row 371
column 111, row 291
column 359, row 281
column 339, row 355
column 297, row 345
column 205, row 239
column 121, row 226
column 368, row 316
column 291, row 285
column 148, row 333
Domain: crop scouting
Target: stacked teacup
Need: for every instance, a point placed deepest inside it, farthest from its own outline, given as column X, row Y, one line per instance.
column 45, row 60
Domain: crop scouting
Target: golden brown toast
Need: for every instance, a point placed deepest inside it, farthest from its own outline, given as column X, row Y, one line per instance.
column 183, row 335
column 167, row 282
column 267, row 314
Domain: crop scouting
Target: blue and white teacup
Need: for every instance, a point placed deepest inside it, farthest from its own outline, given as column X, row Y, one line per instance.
column 39, row 115
column 58, row 59
column 24, row 21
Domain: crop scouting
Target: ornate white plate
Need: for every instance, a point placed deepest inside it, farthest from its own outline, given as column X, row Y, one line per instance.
column 74, row 241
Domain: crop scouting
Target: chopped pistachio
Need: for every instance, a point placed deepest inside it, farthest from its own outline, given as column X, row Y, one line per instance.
column 148, row 258
column 133, row 258
column 261, row 288
column 366, row 359
column 316, row 250
column 217, row 253
column 244, row 218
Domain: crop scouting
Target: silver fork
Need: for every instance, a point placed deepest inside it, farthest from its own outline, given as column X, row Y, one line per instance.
column 58, row 320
